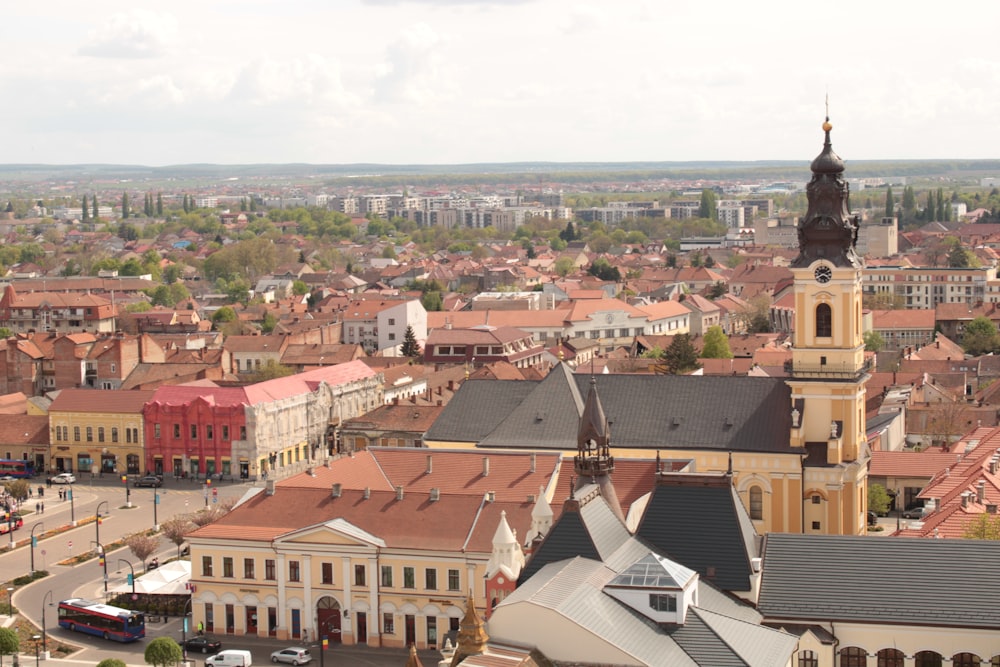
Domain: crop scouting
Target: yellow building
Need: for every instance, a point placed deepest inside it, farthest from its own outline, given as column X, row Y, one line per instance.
column 97, row 431
column 795, row 444
column 381, row 548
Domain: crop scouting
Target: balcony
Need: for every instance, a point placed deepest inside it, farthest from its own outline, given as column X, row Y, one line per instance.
column 829, row 371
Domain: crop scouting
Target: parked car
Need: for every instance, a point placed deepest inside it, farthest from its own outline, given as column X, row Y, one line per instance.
column 203, row 644
column 148, row 480
column 295, row 655
column 872, row 518
column 915, row 513
column 64, row 478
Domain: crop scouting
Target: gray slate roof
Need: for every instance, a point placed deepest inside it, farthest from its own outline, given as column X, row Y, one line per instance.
column 909, row 581
column 646, row 411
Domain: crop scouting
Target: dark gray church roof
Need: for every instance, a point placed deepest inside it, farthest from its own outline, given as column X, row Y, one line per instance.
column 909, row 581
column 647, row 411
column 703, row 527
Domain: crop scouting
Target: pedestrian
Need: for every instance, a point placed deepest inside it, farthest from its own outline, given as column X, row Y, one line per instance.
column 61, row 494
column 38, row 508
column 43, row 508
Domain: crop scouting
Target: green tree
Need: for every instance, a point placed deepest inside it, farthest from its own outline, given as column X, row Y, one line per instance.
column 126, row 211
column 299, row 288
column 84, row 211
column 269, row 322
column 271, row 370
column 602, row 269
column 878, row 499
column 873, row 341
column 909, row 204
column 111, row 662
column 983, row 527
column 716, row 344
column 564, row 266
column 159, row 204
column 223, row 315
column 708, row 209
column 980, row 337
column 5, row 333
column 93, row 200
column 890, row 203
column 410, row 348
column 163, row 652
column 941, row 205
column 432, row 301
column 680, row 356
column 568, row 234
column 184, row 205
column 10, row 644
column 718, row 289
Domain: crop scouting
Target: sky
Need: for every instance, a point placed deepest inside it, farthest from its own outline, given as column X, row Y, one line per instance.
column 470, row 81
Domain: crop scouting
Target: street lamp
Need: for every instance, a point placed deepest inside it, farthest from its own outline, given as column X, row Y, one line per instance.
column 97, row 521
column 10, row 601
column 10, row 526
column 156, row 501
column 103, row 562
column 36, row 638
column 72, row 508
column 128, row 498
column 34, row 542
column 184, row 626
column 45, row 648
column 131, row 576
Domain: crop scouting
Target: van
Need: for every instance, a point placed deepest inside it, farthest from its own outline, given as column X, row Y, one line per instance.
column 230, row 658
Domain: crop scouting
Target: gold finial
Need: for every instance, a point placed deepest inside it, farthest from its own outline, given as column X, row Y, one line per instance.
column 826, row 124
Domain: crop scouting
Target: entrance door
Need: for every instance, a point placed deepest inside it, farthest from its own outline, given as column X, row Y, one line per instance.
column 361, row 621
column 250, row 622
column 296, row 623
column 411, row 629
column 329, row 624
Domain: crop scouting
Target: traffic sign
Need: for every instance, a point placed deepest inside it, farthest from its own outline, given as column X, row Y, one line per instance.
column 70, row 544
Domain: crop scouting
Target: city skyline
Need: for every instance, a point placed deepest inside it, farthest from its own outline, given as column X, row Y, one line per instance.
column 476, row 81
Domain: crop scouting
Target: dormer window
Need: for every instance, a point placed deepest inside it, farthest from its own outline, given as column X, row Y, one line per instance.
column 660, row 602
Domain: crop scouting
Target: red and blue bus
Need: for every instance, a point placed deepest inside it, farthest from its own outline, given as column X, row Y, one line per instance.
column 16, row 468
column 101, row 620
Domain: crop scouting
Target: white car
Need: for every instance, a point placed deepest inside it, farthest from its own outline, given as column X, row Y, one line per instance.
column 64, row 478
column 295, row 655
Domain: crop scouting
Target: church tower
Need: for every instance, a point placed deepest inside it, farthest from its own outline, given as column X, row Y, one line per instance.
column 593, row 463
column 829, row 367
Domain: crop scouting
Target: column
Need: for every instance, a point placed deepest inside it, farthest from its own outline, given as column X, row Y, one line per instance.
column 310, row 607
column 279, row 565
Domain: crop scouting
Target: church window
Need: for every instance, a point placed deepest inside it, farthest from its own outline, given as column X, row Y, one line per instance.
column 852, row 656
column 756, row 503
column 965, row 660
column 927, row 659
column 824, row 321
column 890, row 657
column 808, row 659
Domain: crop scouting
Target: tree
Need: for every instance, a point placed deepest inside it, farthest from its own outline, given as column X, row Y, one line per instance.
column 568, row 234
column 946, row 421
column 718, row 289
column 564, row 266
column 125, row 209
column 163, row 652
column 431, row 301
column 300, row 288
column 980, row 337
column 716, row 344
column 983, row 527
column 410, row 348
column 707, row 209
column 142, row 545
column 271, row 370
column 176, row 530
column 10, row 644
column 223, row 315
column 84, row 211
column 873, row 341
column 602, row 269
column 680, row 356
column 890, row 203
column 269, row 322
column 878, row 499
column 111, row 662
column 159, row 204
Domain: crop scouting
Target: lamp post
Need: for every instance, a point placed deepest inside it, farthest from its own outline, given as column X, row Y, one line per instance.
column 97, row 521
column 156, row 501
column 10, row 601
column 36, row 638
column 34, row 542
column 128, row 497
column 72, row 508
column 184, row 625
column 45, row 648
column 132, row 576
column 103, row 562
column 10, row 527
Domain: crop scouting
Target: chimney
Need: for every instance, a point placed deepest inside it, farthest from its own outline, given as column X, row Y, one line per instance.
column 533, row 461
column 486, row 466
column 430, row 464
column 399, row 493
column 491, row 496
column 965, row 499
column 451, row 385
column 335, row 490
column 435, row 494
column 981, row 492
column 367, row 493
column 269, row 487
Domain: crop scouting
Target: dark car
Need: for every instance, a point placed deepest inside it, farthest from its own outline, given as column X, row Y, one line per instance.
column 203, row 645
column 148, row 480
column 872, row 518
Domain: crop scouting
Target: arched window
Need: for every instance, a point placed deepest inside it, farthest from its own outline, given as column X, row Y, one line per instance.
column 995, row 662
column 965, row 660
column 890, row 657
column 756, row 503
column 808, row 659
column 824, row 321
column 852, row 656
column 927, row 659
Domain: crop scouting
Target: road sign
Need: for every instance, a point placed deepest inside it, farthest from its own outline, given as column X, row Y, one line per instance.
column 70, row 544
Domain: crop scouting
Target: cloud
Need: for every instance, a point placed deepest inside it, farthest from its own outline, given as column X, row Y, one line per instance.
column 308, row 81
column 134, row 34
column 414, row 70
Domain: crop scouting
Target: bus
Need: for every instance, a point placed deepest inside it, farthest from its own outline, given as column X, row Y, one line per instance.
column 17, row 468
column 101, row 620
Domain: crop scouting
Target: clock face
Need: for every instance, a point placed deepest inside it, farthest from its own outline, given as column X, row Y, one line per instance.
column 823, row 274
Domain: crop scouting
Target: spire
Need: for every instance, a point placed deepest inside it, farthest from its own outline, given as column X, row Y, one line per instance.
column 472, row 637
column 507, row 556
column 594, row 427
column 828, row 231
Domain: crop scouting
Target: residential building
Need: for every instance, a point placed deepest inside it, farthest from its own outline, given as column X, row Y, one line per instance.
column 902, row 329
column 380, row 325
column 56, row 311
column 926, row 287
column 400, row 424
column 482, row 345
column 276, row 427
column 99, row 432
